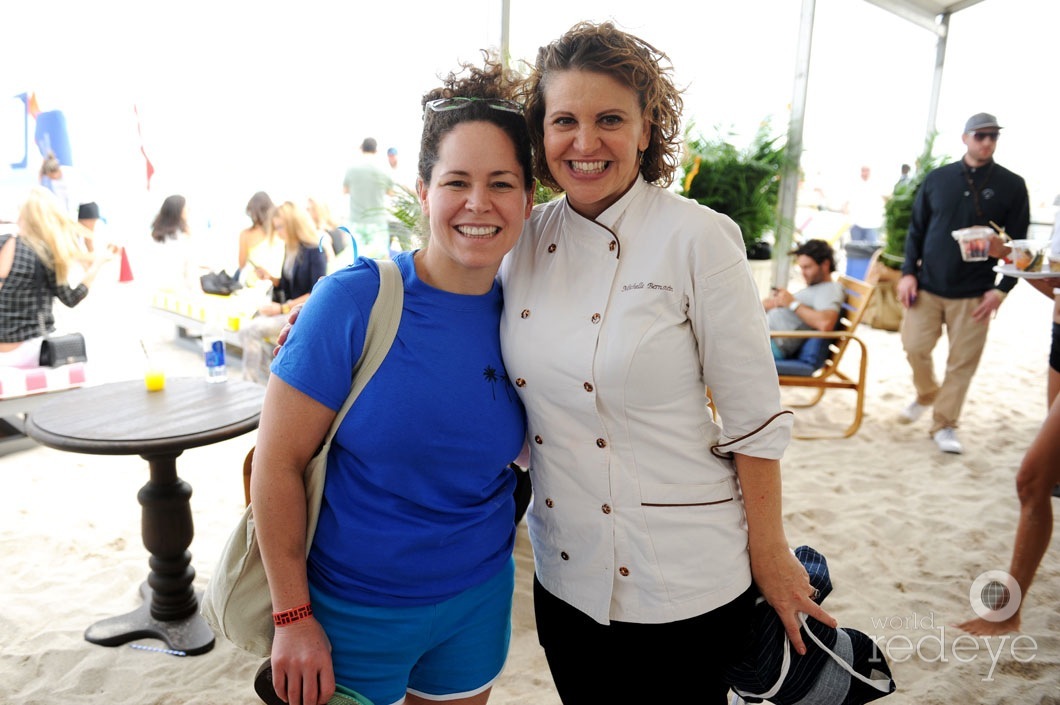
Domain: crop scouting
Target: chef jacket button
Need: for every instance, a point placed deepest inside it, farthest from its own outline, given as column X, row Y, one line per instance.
column 623, row 571
column 564, row 556
column 588, row 387
column 601, row 443
column 549, row 503
column 606, row 509
column 520, row 382
column 596, row 318
column 538, row 440
column 552, row 248
column 525, row 313
column 612, row 245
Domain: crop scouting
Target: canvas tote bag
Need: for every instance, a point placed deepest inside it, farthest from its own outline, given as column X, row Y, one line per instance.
column 236, row 602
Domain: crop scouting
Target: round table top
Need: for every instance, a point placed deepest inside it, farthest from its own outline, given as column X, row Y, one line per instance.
column 123, row 418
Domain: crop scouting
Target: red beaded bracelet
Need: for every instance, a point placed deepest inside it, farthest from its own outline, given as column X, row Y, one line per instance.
column 292, row 615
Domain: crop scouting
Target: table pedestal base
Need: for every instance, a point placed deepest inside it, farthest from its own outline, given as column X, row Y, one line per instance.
column 192, row 634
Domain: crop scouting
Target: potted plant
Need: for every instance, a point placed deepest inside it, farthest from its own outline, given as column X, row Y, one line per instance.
column 884, row 311
column 744, row 184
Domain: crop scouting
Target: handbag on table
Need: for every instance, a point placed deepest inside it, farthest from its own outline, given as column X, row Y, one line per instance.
column 237, row 603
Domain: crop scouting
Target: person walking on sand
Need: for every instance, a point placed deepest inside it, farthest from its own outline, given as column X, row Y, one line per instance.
column 1037, row 482
column 940, row 290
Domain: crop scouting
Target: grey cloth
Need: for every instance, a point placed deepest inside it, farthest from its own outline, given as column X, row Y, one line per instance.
column 820, row 297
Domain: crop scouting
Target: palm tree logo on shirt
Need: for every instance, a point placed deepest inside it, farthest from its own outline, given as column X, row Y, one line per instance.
column 491, row 376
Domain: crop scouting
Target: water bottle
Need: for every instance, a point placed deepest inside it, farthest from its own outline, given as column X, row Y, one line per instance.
column 213, row 352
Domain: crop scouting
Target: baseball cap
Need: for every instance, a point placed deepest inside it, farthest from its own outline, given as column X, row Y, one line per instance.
column 980, row 121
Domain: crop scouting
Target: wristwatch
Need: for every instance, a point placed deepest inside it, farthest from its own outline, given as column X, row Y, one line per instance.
column 794, row 305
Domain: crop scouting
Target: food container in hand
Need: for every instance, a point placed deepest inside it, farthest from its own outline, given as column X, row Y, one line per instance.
column 974, row 242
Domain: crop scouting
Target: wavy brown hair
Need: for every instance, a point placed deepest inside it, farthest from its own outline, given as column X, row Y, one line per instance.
column 633, row 62
column 492, row 81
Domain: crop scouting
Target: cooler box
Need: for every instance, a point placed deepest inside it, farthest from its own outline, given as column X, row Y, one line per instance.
column 858, row 254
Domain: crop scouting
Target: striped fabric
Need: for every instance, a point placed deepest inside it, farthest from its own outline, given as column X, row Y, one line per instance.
column 16, row 382
column 771, row 669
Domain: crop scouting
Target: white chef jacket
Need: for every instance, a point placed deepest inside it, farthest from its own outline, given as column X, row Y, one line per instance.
column 611, row 329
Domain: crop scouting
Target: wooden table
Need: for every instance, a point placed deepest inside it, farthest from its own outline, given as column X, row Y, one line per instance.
column 122, row 418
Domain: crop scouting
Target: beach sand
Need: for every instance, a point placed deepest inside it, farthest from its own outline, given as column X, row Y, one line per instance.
column 906, row 530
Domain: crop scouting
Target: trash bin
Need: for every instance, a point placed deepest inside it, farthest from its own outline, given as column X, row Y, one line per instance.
column 858, row 254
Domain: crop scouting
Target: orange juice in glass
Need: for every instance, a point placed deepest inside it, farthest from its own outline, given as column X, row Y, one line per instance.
column 154, row 379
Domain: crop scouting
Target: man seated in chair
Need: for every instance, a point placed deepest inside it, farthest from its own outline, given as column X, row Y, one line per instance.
column 816, row 307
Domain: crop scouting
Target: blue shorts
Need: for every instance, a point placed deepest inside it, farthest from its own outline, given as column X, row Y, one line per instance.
column 456, row 648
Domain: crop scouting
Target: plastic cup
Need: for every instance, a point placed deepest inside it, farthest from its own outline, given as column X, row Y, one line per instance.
column 1024, row 252
column 974, row 242
column 154, row 379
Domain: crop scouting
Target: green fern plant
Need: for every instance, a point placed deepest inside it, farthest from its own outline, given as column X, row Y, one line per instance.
column 744, row 184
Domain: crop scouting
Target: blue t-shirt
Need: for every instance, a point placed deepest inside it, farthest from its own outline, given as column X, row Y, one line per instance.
column 418, row 499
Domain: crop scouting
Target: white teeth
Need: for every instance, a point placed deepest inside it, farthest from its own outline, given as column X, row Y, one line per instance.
column 588, row 167
column 477, row 231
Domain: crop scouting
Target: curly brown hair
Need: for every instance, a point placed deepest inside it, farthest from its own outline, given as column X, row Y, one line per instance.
column 492, row 82
column 633, row 62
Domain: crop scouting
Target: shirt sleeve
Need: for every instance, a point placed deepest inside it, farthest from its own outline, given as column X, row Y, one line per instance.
column 918, row 222
column 738, row 365
column 326, row 341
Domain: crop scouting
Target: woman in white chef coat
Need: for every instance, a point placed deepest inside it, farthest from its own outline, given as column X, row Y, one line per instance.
column 622, row 301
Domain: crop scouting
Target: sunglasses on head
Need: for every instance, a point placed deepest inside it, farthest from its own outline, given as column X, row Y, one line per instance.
column 980, row 136
column 442, row 105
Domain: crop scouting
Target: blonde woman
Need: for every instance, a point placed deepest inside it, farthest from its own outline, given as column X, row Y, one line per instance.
column 35, row 266
column 303, row 264
column 334, row 240
column 258, row 244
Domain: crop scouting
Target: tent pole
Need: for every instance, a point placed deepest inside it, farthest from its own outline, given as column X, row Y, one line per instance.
column 789, row 179
column 936, row 84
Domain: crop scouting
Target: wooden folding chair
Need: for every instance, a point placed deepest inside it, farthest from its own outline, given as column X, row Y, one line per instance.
column 818, row 361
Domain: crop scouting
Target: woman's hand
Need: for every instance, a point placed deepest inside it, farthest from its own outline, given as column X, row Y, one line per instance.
column 302, row 672
column 271, row 309
column 281, row 338
column 783, row 581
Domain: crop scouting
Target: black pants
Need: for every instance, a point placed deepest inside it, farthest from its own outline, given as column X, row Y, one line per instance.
column 596, row 664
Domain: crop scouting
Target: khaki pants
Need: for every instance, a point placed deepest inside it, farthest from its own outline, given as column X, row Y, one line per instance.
column 921, row 330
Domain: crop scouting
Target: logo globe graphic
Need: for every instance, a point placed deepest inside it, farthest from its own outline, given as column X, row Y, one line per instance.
column 995, row 595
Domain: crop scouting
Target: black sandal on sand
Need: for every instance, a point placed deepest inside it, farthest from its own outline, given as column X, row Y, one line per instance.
column 263, row 687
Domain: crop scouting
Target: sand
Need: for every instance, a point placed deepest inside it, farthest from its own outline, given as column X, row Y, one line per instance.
column 906, row 530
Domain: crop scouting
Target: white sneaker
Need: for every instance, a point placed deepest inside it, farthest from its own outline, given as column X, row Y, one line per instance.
column 946, row 440
column 912, row 412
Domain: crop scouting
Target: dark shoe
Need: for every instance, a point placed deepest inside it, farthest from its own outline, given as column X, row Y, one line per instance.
column 263, row 685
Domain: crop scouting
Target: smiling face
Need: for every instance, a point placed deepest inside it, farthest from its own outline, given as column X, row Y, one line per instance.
column 594, row 130
column 477, row 204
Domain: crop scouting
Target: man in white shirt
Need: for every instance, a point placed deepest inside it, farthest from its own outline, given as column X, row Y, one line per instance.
column 865, row 208
column 367, row 183
column 816, row 307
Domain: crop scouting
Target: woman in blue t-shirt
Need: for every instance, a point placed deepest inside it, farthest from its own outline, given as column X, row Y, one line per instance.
column 406, row 593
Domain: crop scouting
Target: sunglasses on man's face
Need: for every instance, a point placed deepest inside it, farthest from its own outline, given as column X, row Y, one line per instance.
column 980, row 136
